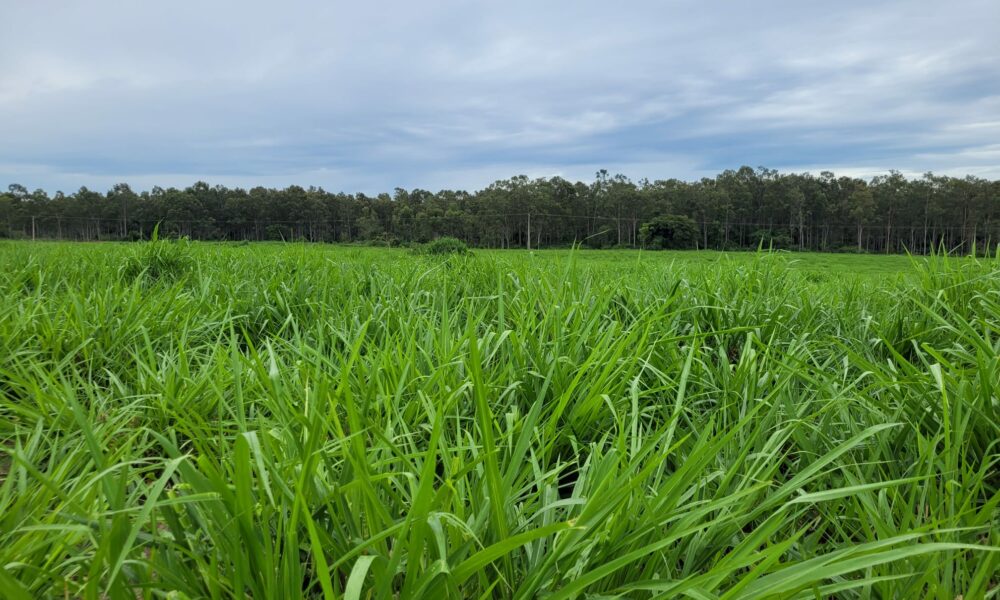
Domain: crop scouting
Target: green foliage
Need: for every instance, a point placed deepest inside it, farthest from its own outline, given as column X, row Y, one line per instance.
column 444, row 246
column 307, row 421
column 738, row 209
column 771, row 239
column 669, row 232
column 158, row 260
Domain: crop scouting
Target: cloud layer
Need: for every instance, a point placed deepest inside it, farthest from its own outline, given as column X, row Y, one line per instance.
column 454, row 94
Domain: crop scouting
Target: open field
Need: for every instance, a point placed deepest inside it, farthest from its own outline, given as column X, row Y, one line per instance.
column 276, row 421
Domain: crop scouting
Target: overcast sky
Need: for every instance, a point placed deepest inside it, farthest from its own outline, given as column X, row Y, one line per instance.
column 367, row 96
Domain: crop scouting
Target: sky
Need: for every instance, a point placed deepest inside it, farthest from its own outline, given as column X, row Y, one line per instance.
column 369, row 96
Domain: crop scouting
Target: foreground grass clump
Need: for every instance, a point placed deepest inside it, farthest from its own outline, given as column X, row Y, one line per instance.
column 158, row 259
column 289, row 421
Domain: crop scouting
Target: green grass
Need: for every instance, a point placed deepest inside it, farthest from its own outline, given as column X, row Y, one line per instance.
column 272, row 421
column 814, row 262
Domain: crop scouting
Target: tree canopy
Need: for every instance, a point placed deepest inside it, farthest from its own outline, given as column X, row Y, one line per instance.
column 739, row 208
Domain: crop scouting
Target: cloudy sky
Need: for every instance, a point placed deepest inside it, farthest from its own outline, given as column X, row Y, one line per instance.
column 367, row 96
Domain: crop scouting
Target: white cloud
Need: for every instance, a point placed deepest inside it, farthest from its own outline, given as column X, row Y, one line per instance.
column 456, row 93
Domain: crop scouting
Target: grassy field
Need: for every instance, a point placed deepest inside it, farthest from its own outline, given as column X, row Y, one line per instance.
column 282, row 421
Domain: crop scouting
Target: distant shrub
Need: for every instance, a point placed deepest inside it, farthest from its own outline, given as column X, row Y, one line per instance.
column 773, row 239
column 384, row 240
column 277, row 233
column 669, row 232
column 158, row 260
column 444, row 246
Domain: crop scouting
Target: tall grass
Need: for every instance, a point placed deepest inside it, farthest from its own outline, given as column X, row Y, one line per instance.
column 282, row 422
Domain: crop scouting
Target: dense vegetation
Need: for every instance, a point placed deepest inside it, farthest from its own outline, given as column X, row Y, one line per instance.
column 270, row 421
column 737, row 209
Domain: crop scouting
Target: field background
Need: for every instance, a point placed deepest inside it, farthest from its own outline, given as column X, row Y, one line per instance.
column 268, row 420
column 818, row 262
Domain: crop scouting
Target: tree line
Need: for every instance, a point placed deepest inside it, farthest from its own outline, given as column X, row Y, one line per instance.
column 740, row 208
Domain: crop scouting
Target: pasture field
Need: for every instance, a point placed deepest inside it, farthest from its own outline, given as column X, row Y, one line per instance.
column 281, row 421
